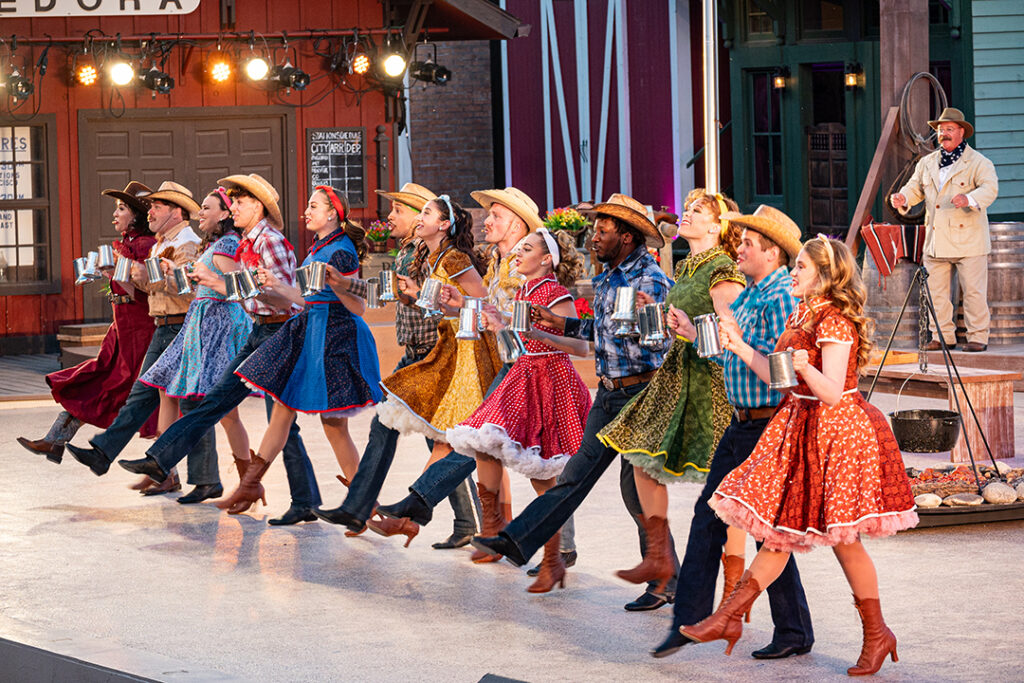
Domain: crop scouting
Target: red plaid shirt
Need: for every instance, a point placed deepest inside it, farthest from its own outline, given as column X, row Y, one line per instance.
column 263, row 245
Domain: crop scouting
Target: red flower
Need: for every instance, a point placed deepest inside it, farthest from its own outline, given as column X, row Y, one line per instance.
column 583, row 309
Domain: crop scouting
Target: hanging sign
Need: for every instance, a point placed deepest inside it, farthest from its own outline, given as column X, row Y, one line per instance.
column 34, row 9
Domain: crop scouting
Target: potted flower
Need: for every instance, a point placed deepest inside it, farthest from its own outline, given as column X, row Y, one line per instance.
column 570, row 220
column 583, row 309
column 378, row 235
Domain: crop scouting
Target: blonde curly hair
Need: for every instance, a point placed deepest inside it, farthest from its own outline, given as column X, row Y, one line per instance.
column 840, row 282
column 730, row 240
column 570, row 261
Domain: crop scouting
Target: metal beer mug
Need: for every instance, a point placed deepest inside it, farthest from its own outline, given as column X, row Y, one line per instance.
column 653, row 319
column 708, row 342
column 387, row 286
column 123, row 269
column 106, row 256
column 231, row 286
column 520, row 317
column 153, row 270
column 624, row 312
column 247, row 285
column 182, row 283
column 781, row 372
column 510, row 346
column 430, row 297
column 316, row 277
column 477, row 304
column 467, row 323
column 302, row 279
column 92, row 270
column 373, row 294
column 81, row 275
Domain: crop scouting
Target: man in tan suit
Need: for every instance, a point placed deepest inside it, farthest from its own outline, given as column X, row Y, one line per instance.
column 957, row 185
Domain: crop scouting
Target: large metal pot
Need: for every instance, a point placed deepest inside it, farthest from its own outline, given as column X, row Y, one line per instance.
column 925, row 431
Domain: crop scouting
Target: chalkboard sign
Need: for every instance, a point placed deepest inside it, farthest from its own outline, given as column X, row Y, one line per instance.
column 337, row 157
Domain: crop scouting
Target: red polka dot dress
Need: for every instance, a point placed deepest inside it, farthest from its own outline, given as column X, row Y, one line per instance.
column 820, row 475
column 533, row 421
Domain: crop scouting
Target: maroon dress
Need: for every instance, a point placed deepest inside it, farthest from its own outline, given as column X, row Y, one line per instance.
column 94, row 390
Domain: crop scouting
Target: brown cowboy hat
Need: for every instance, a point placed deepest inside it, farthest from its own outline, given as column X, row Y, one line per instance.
column 953, row 115
column 176, row 194
column 261, row 189
column 633, row 212
column 411, row 194
column 134, row 194
column 773, row 224
column 515, row 200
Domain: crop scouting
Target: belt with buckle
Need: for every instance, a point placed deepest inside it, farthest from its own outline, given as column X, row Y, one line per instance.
column 161, row 320
column 270, row 319
column 120, row 299
column 612, row 383
column 419, row 350
column 750, row 414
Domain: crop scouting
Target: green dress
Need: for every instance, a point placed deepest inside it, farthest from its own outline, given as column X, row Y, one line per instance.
column 672, row 427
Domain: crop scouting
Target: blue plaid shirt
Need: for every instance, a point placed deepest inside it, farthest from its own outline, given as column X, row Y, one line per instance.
column 761, row 311
column 622, row 356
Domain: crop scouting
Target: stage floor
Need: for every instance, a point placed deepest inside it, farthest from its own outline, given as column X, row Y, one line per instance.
column 170, row 592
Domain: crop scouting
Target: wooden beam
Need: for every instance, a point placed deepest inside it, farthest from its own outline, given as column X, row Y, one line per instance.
column 890, row 127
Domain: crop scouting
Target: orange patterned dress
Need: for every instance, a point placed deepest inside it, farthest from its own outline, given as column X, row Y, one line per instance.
column 820, row 475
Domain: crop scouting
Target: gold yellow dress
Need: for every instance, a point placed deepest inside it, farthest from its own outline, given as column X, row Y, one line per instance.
column 444, row 388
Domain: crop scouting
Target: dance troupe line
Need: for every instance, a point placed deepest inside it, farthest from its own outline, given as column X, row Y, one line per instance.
column 814, row 466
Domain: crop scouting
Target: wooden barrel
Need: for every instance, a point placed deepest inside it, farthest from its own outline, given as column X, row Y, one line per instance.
column 885, row 301
column 1005, row 285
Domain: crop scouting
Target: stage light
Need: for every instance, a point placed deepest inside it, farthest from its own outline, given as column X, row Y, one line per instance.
column 121, row 73
column 394, row 65
column 20, row 87
column 289, row 76
column 218, row 66
column 360, row 63
column 158, row 81
column 257, row 68
column 430, row 72
column 86, row 74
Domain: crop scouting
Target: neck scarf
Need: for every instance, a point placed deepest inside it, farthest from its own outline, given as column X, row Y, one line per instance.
column 949, row 158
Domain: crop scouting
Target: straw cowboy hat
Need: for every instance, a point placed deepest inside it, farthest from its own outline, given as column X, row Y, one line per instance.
column 176, row 194
column 258, row 187
column 515, row 200
column 633, row 212
column 773, row 224
column 411, row 194
column 953, row 115
column 134, row 194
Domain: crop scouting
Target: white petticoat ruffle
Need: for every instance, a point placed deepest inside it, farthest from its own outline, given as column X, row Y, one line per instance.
column 491, row 439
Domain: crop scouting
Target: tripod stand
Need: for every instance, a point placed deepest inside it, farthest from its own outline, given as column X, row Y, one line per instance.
column 926, row 312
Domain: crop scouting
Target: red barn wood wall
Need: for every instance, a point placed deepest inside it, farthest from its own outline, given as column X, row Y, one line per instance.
column 34, row 315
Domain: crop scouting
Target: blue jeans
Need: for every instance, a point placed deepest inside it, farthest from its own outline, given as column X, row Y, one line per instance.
column 543, row 517
column 186, row 433
column 141, row 402
column 438, row 480
column 699, row 571
column 376, row 462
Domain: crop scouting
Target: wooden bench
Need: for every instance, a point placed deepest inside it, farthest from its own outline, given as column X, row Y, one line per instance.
column 990, row 392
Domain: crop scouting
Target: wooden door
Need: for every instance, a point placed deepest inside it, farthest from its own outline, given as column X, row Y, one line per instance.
column 193, row 147
column 826, row 173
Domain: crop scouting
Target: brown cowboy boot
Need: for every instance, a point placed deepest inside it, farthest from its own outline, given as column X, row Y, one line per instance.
column 732, row 570
column 879, row 641
column 657, row 564
column 170, row 483
column 384, row 527
column 552, row 568
column 249, row 489
column 242, row 465
column 727, row 621
column 492, row 521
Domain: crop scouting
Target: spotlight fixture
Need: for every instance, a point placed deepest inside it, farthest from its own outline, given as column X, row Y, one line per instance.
column 852, row 75
column 779, row 78
column 18, row 86
column 218, row 66
column 121, row 72
column 86, row 74
column 360, row 64
column 256, row 68
column 289, row 76
column 430, row 72
column 158, row 81
column 394, row 65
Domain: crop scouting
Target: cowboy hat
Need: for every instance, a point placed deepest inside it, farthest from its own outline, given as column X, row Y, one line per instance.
column 411, row 194
column 263, row 191
column 773, row 224
column 176, row 194
column 634, row 213
column 134, row 194
column 514, row 200
column 953, row 115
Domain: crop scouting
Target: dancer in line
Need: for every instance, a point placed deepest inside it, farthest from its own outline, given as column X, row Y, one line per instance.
column 827, row 468
column 214, row 331
column 533, row 421
column 670, row 430
column 323, row 360
column 255, row 211
column 770, row 240
column 444, row 388
column 93, row 391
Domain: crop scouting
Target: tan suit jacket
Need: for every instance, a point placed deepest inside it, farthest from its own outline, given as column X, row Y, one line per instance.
column 954, row 232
